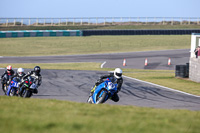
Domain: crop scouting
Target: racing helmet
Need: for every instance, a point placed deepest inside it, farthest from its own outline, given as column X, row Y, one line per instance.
column 37, row 70
column 118, row 73
column 9, row 68
column 20, row 71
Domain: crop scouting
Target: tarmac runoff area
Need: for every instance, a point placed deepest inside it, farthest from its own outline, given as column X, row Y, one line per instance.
column 75, row 86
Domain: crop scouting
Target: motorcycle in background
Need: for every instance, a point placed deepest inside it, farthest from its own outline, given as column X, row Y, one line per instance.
column 13, row 87
column 5, row 81
column 30, row 87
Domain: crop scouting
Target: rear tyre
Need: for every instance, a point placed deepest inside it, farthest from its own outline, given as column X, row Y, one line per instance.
column 11, row 92
column 89, row 100
column 4, row 88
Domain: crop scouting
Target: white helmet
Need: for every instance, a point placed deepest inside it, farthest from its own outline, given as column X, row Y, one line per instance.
column 20, row 71
column 118, row 73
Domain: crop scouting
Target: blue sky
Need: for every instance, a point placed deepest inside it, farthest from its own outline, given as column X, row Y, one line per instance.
column 99, row 8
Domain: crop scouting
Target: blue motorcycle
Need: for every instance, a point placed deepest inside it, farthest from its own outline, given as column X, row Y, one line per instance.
column 13, row 87
column 103, row 92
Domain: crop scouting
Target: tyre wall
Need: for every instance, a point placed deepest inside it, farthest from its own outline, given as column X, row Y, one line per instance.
column 139, row 32
column 42, row 33
column 39, row 33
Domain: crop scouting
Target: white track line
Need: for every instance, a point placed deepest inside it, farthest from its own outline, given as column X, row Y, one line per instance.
column 162, row 86
column 103, row 64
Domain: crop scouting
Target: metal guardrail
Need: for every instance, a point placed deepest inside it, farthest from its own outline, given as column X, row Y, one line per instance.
column 99, row 21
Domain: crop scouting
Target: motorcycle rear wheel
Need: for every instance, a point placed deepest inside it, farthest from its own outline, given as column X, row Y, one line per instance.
column 4, row 88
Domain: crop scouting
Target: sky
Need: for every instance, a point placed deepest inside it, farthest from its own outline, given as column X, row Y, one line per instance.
column 98, row 8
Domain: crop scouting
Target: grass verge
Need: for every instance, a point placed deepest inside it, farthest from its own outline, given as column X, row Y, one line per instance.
column 38, row 46
column 19, row 115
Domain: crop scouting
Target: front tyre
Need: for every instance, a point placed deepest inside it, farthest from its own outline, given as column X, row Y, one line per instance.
column 102, row 98
column 27, row 94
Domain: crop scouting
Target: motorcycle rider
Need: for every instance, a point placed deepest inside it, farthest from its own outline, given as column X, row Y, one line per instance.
column 9, row 72
column 115, row 77
column 37, row 79
column 20, row 73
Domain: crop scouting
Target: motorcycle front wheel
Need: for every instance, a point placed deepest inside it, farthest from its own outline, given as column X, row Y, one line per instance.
column 102, row 98
column 27, row 94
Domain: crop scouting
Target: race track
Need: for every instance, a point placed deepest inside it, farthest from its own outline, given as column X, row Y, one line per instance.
column 75, row 85
column 156, row 59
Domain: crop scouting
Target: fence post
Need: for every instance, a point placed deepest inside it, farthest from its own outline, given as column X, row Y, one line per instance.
column 36, row 21
column 14, row 21
column 172, row 23
column 146, row 20
column 138, row 19
column 22, row 22
column 6, row 22
column 96, row 20
column 189, row 22
column 163, row 21
column 51, row 22
column 29, row 21
column 181, row 21
column 44, row 21
column 198, row 21
column 66, row 21
column 88, row 21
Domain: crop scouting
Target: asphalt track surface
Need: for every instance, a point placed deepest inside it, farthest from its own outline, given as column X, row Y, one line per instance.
column 75, row 85
column 156, row 59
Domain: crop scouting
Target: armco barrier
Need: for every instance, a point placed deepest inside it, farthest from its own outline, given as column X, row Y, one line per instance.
column 39, row 33
column 139, row 32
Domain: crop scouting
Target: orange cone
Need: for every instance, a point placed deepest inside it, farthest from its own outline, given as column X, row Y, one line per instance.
column 169, row 61
column 146, row 63
column 124, row 62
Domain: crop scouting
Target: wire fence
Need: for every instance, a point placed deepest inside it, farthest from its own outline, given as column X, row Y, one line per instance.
column 5, row 22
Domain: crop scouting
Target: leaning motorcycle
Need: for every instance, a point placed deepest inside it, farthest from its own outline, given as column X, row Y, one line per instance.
column 13, row 87
column 30, row 87
column 103, row 92
column 5, row 82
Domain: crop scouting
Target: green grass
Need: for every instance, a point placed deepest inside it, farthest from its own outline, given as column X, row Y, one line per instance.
column 37, row 46
column 60, row 66
column 165, row 78
column 19, row 115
